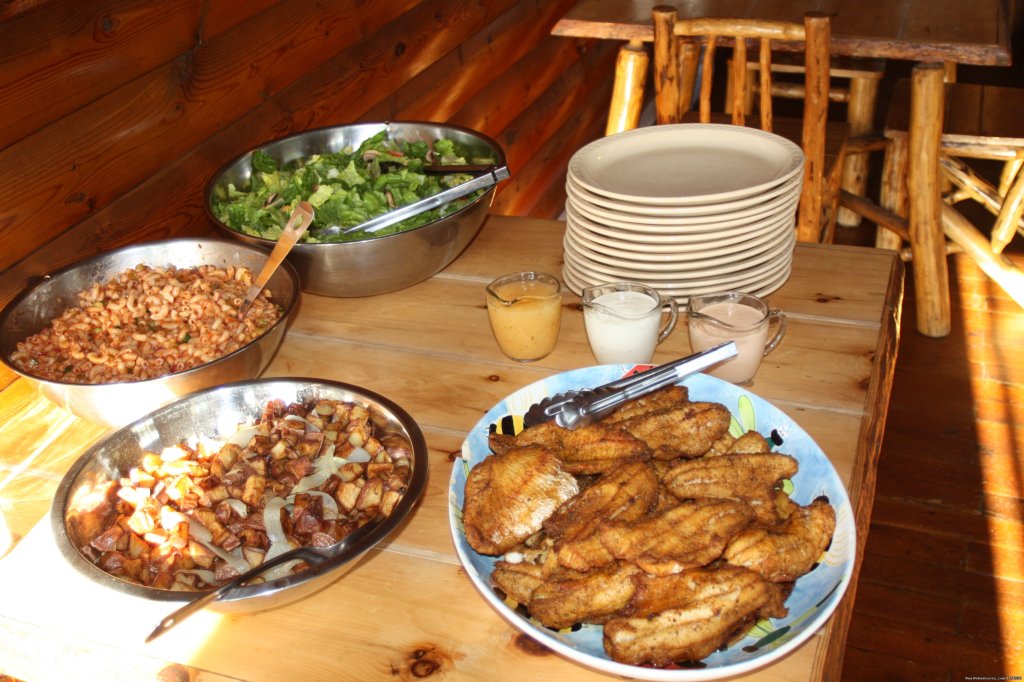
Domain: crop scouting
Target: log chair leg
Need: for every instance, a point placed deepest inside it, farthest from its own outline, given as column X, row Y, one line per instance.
column 628, row 88
column 893, row 195
column 860, row 114
column 927, row 241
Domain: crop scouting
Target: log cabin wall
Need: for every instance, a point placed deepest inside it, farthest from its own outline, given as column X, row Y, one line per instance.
column 114, row 114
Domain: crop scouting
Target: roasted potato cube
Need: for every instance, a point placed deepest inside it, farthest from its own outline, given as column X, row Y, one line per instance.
column 348, row 495
column 200, row 555
column 107, row 541
column 371, row 494
column 252, row 495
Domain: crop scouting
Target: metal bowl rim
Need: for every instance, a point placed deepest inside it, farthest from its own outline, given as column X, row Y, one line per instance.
column 364, row 539
column 9, row 309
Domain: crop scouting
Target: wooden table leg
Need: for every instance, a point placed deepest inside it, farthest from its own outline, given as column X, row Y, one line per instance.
column 628, row 88
column 860, row 114
column 927, row 241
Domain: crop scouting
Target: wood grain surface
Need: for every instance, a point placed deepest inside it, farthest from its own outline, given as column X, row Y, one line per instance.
column 409, row 607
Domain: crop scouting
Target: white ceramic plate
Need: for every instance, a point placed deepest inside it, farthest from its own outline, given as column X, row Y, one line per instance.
column 630, row 220
column 760, row 286
column 759, row 283
column 668, row 240
column 717, row 209
column 765, row 260
column 686, row 163
column 814, row 597
column 709, row 252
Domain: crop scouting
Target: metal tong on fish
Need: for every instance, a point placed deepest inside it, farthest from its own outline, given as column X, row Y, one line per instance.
column 574, row 409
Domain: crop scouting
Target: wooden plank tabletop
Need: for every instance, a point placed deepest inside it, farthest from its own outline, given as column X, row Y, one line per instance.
column 920, row 30
column 408, row 610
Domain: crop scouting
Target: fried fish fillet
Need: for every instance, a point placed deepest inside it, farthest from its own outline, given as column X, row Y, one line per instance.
column 518, row 580
column 785, row 552
column 689, row 615
column 750, row 443
column 652, row 402
column 626, row 492
column 751, row 478
column 688, row 535
column 509, row 496
column 591, row 449
column 590, row 597
column 683, row 430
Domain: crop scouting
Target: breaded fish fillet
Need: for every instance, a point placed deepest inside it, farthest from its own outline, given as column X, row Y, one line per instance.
column 751, row 478
column 683, row 430
column 518, row 580
column 689, row 615
column 591, row 449
column 787, row 551
column 591, row 597
column 626, row 492
column 652, row 402
column 509, row 496
column 688, row 535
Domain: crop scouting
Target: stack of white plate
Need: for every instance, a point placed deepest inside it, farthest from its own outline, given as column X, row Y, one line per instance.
column 687, row 209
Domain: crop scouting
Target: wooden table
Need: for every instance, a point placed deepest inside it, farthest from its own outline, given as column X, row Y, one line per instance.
column 408, row 610
column 938, row 33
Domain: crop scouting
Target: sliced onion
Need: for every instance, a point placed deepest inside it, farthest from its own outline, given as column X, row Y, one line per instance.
column 358, row 455
column 234, row 558
column 200, row 532
column 279, row 543
column 314, row 480
column 272, row 523
column 237, row 506
column 242, row 436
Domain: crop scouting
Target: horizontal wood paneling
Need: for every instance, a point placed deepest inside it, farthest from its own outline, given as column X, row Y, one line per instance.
column 115, row 114
column 147, row 113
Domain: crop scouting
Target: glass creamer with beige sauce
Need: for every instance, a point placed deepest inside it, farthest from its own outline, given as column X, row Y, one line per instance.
column 742, row 318
column 525, row 311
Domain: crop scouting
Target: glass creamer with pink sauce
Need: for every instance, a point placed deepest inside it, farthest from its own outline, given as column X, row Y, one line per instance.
column 739, row 317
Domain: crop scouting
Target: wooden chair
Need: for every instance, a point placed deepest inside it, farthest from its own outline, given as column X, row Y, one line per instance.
column 677, row 43
column 976, row 121
column 854, row 82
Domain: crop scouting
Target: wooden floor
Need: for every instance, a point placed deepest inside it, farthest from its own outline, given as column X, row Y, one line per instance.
column 941, row 593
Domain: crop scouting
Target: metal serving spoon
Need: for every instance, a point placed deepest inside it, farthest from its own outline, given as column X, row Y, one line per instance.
column 489, row 178
column 313, row 555
column 301, row 219
column 574, row 409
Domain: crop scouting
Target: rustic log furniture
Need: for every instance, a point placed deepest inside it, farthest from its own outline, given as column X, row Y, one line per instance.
column 678, row 41
column 978, row 122
column 921, row 30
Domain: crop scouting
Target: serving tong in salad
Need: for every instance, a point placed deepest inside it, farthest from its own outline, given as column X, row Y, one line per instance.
column 573, row 409
column 309, row 554
column 301, row 219
column 489, row 177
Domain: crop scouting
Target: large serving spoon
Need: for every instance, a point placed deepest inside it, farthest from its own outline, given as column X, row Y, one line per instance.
column 301, row 219
column 309, row 554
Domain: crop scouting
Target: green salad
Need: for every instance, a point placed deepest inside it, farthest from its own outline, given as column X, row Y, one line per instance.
column 346, row 188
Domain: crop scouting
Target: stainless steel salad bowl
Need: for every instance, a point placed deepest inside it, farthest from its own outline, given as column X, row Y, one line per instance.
column 378, row 264
column 216, row 413
column 117, row 404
